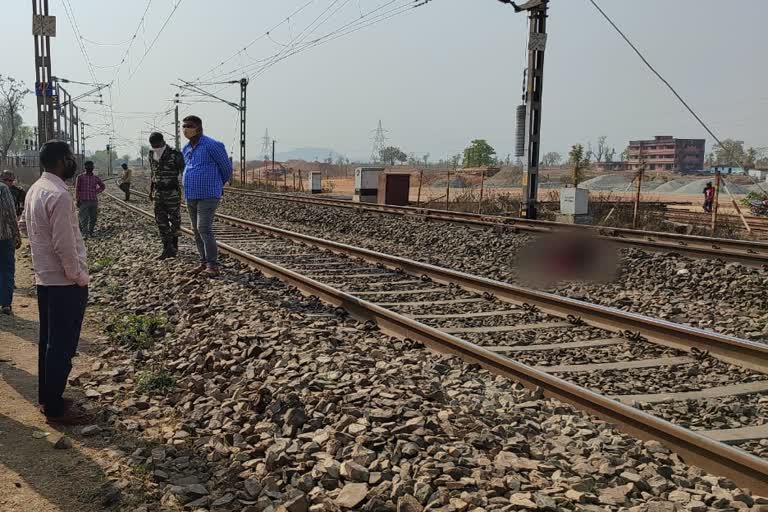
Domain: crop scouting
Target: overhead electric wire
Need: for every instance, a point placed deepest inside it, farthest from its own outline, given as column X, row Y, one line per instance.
column 254, row 41
column 152, row 44
column 338, row 33
column 257, row 68
column 664, row 80
column 132, row 40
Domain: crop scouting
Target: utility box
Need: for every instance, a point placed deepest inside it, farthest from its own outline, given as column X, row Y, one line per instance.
column 394, row 188
column 315, row 184
column 574, row 201
column 367, row 184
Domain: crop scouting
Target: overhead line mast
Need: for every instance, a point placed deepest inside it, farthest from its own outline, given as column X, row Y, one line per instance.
column 534, row 82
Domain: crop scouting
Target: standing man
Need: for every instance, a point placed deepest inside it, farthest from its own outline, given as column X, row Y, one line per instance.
column 207, row 170
column 88, row 186
column 125, row 181
column 709, row 197
column 61, row 274
column 166, row 164
column 18, row 193
column 10, row 240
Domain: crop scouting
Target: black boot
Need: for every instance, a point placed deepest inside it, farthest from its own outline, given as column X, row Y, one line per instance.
column 166, row 251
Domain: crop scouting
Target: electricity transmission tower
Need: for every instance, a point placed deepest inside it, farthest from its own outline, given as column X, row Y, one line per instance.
column 379, row 142
column 265, row 145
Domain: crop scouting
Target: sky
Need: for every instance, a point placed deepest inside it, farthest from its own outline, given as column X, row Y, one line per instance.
column 437, row 76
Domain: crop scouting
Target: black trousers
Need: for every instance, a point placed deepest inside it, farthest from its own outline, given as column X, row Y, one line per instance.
column 61, row 311
column 126, row 188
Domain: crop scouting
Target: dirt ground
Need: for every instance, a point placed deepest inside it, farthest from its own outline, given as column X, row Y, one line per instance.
column 35, row 477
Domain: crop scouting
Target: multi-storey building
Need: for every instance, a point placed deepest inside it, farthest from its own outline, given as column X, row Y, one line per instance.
column 665, row 153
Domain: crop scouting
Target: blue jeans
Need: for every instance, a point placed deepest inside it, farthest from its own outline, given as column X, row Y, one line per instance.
column 7, row 271
column 201, row 214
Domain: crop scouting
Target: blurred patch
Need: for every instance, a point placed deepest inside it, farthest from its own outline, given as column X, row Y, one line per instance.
column 561, row 257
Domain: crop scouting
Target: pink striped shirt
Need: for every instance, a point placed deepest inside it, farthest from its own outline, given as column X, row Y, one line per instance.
column 88, row 187
column 58, row 252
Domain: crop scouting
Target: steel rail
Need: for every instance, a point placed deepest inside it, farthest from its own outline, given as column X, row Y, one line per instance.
column 744, row 469
column 745, row 353
column 743, row 251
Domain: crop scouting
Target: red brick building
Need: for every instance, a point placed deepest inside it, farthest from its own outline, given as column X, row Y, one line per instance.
column 665, row 153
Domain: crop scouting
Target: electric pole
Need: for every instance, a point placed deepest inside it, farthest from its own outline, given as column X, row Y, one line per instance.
column 43, row 28
column 243, row 86
column 273, row 161
column 109, row 160
column 239, row 107
column 176, row 121
column 537, row 42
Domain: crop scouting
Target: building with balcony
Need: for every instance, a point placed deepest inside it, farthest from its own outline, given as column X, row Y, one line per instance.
column 666, row 153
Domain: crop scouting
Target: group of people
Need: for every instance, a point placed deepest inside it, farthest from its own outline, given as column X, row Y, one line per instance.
column 47, row 216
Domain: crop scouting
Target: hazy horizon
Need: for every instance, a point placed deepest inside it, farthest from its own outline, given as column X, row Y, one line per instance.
column 437, row 76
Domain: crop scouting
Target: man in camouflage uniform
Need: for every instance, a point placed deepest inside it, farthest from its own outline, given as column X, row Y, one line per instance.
column 167, row 165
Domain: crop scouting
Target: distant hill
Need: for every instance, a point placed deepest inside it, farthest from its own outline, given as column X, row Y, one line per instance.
column 308, row 154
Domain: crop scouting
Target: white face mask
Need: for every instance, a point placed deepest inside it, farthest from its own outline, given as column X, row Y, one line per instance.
column 158, row 152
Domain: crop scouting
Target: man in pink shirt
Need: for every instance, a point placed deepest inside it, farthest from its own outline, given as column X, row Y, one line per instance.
column 61, row 274
column 88, row 186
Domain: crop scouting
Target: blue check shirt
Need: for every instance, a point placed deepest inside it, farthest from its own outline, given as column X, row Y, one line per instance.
column 207, row 169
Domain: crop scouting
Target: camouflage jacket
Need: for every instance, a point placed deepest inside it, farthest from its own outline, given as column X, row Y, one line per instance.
column 166, row 173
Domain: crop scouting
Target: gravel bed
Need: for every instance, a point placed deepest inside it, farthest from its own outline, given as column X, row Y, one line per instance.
column 609, row 354
column 665, row 379
column 267, row 407
column 725, row 297
column 714, row 414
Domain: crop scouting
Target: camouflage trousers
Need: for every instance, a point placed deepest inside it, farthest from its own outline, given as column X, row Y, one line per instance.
column 168, row 214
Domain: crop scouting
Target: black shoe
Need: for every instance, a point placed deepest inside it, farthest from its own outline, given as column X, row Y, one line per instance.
column 163, row 256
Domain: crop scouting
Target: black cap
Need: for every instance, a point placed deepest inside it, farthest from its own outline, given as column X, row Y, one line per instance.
column 155, row 137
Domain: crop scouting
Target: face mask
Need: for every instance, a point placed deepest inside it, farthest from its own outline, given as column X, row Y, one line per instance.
column 158, row 152
column 189, row 133
column 70, row 168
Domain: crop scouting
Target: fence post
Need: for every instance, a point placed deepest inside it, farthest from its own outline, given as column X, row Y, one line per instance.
column 715, row 203
column 482, row 184
column 418, row 194
column 448, row 191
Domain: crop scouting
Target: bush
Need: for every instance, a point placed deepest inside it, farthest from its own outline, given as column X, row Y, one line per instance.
column 155, row 380
column 137, row 331
column 102, row 263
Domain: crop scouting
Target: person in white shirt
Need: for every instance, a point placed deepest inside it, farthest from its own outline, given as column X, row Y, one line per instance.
column 61, row 275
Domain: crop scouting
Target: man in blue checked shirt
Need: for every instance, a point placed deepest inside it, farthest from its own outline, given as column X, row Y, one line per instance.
column 207, row 170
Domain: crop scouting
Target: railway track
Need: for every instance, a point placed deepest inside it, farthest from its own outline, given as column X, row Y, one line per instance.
column 500, row 326
column 747, row 252
column 758, row 225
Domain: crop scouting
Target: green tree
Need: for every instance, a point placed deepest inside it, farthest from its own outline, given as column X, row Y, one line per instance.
column 479, row 153
column 580, row 162
column 12, row 93
column 753, row 156
column 552, row 158
column 731, row 153
column 391, row 154
column 101, row 159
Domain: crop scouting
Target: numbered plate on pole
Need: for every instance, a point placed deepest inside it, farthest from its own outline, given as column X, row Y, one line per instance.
column 43, row 25
column 537, row 42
